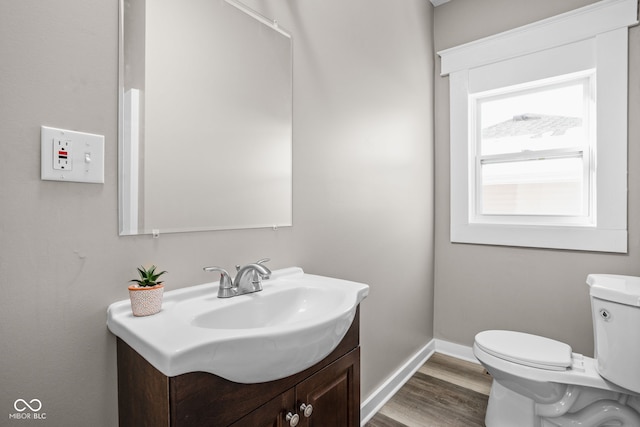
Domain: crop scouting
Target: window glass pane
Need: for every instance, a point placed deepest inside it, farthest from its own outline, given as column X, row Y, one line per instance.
column 536, row 119
column 533, row 187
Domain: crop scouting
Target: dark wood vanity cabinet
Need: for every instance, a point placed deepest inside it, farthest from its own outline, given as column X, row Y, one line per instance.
column 329, row 392
column 146, row 397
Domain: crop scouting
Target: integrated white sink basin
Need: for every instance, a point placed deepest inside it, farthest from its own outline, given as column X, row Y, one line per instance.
column 294, row 322
column 287, row 305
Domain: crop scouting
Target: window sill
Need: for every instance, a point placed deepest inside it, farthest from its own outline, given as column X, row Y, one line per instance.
column 551, row 237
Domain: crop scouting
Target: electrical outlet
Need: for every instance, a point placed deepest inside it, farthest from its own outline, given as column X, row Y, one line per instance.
column 62, row 154
column 71, row 156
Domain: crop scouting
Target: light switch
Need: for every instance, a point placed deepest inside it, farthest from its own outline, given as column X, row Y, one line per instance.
column 71, row 156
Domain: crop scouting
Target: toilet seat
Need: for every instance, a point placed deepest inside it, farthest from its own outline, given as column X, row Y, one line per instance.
column 526, row 349
column 582, row 372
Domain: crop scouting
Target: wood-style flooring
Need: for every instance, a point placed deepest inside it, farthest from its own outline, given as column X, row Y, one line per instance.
column 444, row 392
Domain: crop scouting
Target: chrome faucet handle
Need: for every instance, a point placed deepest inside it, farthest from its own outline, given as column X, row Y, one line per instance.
column 255, row 273
column 261, row 262
column 249, row 277
column 258, row 276
column 226, row 288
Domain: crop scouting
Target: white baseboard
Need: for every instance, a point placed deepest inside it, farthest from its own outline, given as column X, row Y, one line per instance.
column 382, row 394
column 456, row 350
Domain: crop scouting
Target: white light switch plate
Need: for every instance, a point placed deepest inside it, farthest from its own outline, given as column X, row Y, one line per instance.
column 71, row 156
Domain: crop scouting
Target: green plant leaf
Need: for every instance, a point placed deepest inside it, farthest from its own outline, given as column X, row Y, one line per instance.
column 148, row 276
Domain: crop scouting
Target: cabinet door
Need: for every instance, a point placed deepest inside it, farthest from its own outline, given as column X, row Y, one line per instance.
column 333, row 393
column 271, row 414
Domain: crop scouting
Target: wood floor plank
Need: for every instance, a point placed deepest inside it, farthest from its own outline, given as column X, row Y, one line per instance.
column 461, row 372
column 381, row 420
column 428, row 401
column 443, row 393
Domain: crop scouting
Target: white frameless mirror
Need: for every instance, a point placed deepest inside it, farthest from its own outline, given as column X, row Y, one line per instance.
column 205, row 114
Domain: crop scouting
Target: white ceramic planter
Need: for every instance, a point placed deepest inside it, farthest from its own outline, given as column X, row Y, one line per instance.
column 145, row 301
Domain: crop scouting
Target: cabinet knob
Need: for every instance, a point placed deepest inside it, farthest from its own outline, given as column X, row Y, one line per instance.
column 307, row 410
column 293, row 419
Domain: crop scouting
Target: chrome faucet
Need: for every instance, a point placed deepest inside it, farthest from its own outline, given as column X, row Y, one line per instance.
column 248, row 279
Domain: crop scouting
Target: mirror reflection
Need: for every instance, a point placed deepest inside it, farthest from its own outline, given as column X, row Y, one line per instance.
column 205, row 118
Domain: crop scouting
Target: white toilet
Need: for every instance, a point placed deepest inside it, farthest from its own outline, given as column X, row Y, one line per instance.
column 539, row 382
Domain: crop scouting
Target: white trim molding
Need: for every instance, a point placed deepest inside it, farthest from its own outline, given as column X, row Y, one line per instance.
column 437, row 3
column 569, row 27
column 592, row 37
column 458, row 351
column 384, row 392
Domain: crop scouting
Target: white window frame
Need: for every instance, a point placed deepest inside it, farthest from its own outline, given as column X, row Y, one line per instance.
column 585, row 152
column 592, row 37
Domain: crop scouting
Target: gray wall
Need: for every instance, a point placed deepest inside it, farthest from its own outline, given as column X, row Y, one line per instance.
column 363, row 192
column 532, row 290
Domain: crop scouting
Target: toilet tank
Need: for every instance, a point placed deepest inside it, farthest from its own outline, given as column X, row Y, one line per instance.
column 615, row 307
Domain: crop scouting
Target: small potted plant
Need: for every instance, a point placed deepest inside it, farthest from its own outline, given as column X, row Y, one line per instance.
column 146, row 293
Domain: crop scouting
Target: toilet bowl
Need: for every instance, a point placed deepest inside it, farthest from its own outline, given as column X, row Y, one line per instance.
column 540, row 382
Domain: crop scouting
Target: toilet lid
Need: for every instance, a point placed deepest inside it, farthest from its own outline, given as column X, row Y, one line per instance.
column 526, row 349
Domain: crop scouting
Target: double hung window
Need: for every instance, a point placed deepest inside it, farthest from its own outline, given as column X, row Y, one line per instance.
column 538, row 128
column 532, row 148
